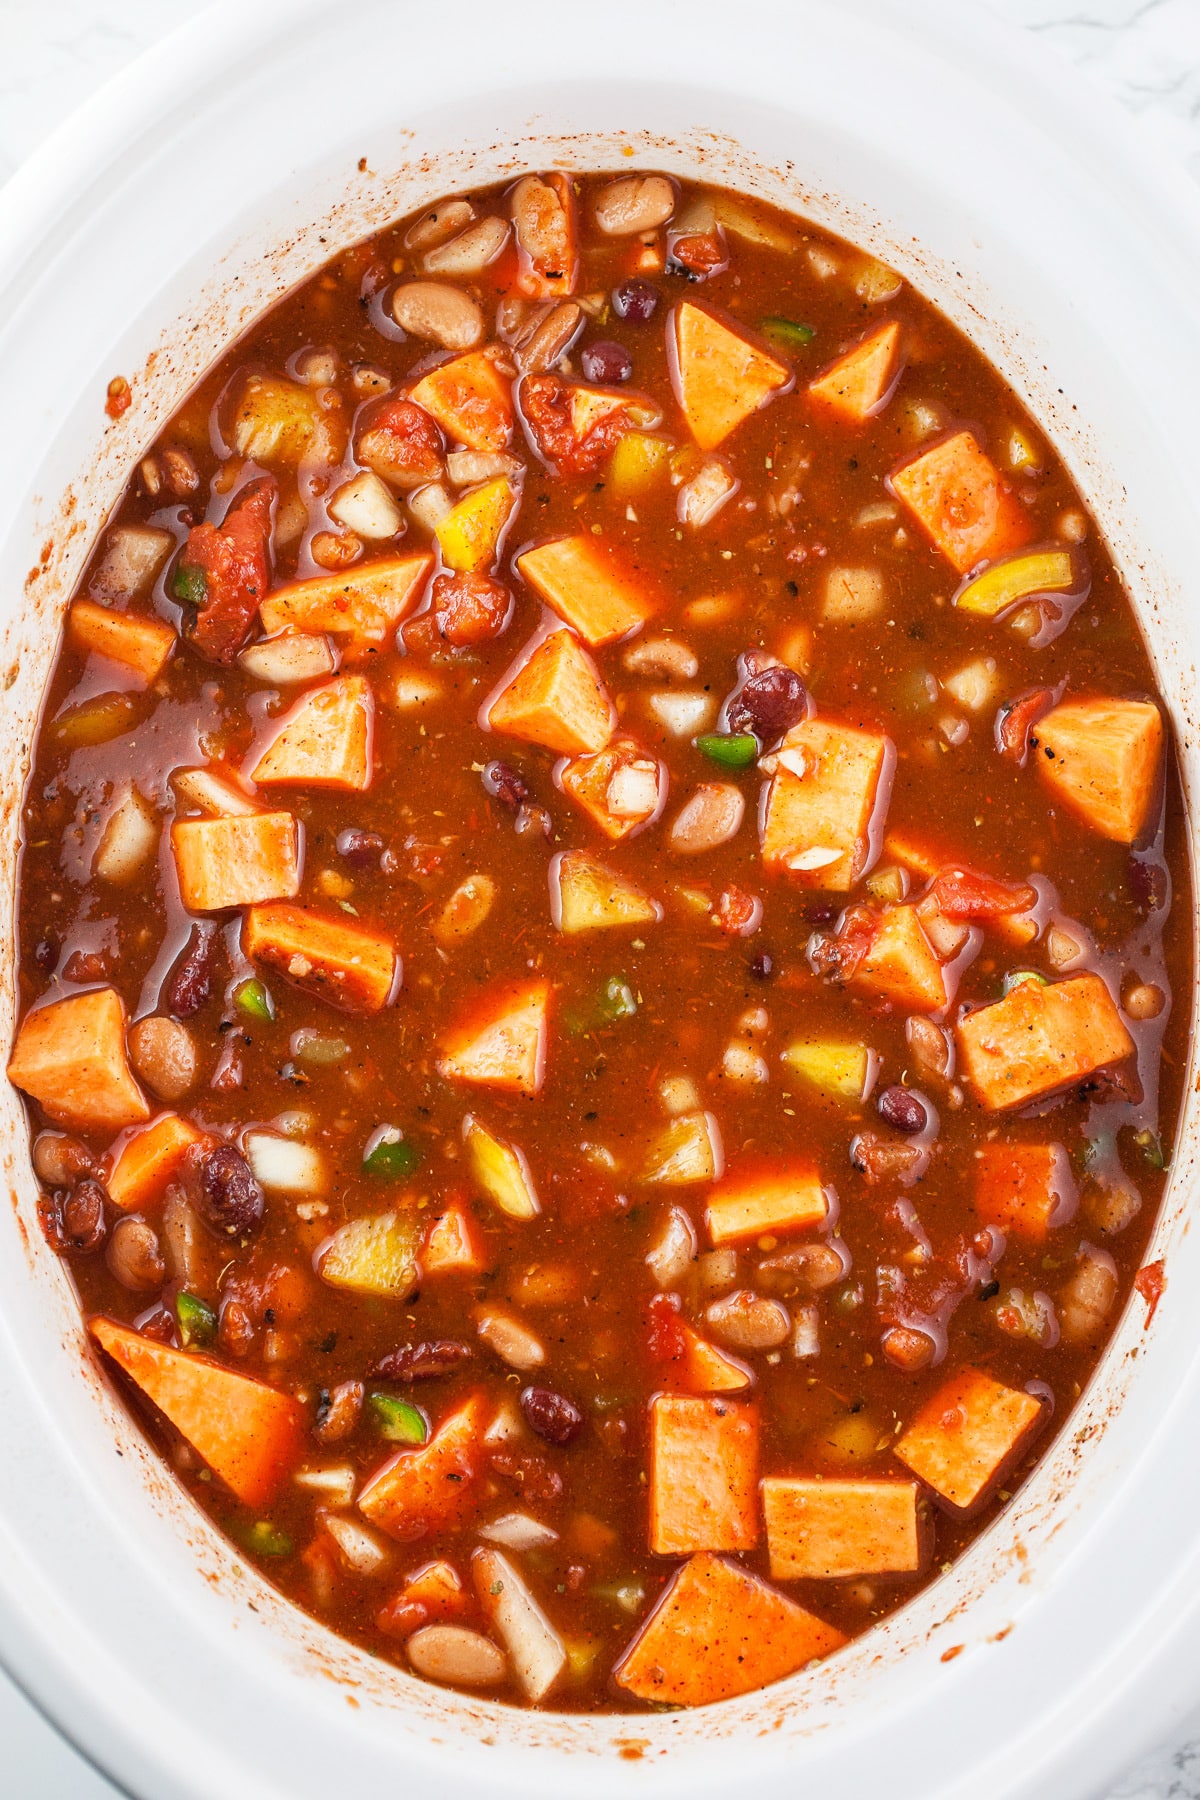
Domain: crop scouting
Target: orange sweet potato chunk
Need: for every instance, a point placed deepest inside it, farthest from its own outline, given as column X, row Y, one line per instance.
column 958, row 498
column 751, row 1202
column 149, row 1159
column 900, row 964
column 325, row 740
column 717, row 1632
column 965, row 1439
column 586, row 589
column 70, row 1057
column 820, row 803
column 723, row 378
column 236, row 861
column 860, row 383
column 1040, row 1037
column 454, row 1245
column 702, row 1368
column 555, row 698
column 360, row 608
column 1101, row 759
column 347, row 965
column 829, row 1530
column 428, row 1488
column 140, row 645
column 469, row 400
column 249, row 1434
column 503, row 1042
column 703, row 1475
column 1025, row 1189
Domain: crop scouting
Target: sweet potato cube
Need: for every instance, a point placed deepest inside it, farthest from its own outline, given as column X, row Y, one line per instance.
column 831, row 1530
column 470, row 401
column 860, row 383
column 469, row 534
column 820, row 803
column 965, row 1439
column 1040, row 1037
column 702, row 1368
column 429, row 1488
column 148, row 1160
column 325, row 740
column 1025, row 1189
column 586, row 896
column 1101, row 759
column 622, row 787
column 900, row 964
column 751, row 1202
column 454, row 1245
column 723, row 378
column 923, row 859
column 140, row 645
column 70, row 1057
column 347, row 965
column 248, row 1433
column 586, row 589
column 959, row 499
column 236, row 861
column 503, row 1042
column 717, row 1632
column 360, row 608
column 703, row 1475
column 555, row 698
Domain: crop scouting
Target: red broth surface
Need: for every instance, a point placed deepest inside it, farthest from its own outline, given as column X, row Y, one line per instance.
column 597, row 940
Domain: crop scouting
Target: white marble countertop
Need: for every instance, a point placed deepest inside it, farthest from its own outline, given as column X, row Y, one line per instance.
column 54, row 53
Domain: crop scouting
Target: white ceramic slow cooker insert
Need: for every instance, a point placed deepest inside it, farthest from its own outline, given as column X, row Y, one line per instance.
column 208, row 180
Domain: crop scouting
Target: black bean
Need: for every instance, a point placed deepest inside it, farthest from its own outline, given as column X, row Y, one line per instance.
column 1147, row 883
column 607, row 362
column 421, row 1362
column 503, row 783
column 189, row 984
column 762, row 965
column 45, row 954
column 768, row 704
column 231, row 1200
column 635, row 300
column 900, row 1108
column 362, row 848
column 551, row 1415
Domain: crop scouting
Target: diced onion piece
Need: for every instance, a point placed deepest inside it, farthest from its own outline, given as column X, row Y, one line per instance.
column 975, row 685
column 295, row 656
column 535, row 1649
column 673, row 1251
column 429, row 505
column 361, row 1550
column 806, row 1336
column 679, row 1094
column 285, row 1166
column 688, row 1150
column 365, row 506
column 511, row 1339
column 335, row 1481
column 702, row 498
column 213, row 794
column 517, row 1531
column 128, row 841
column 682, row 714
column 632, row 791
column 1016, row 578
column 415, row 688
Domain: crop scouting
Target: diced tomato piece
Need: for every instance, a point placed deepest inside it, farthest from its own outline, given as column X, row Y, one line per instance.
column 966, row 894
column 700, row 251
column 232, row 560
column 470, row 609
column 548, row 403
column 665, row 1339
column 400, row 441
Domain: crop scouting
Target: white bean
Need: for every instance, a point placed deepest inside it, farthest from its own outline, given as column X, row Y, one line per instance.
column 634, row 203
column 456, row 1655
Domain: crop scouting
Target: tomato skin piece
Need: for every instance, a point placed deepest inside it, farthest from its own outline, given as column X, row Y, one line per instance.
column 234, row 560
column 400, row 442
column 470, row 608
column 547, row 406
column 966, row 894
column 1017, row 718
column 665, row 1339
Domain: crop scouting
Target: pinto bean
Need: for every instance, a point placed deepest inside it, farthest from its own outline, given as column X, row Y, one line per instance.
column 338, row 1412
column 60, row 1161
column 806, row 1269
column 634, row 203
column 74, row 1224
column 746, row 1321
column 550, row 338
column 164, row 1054
column 134, row 1255
column 471, row 251
column 712, row 816
column 1086, row 1298
column 443, row 314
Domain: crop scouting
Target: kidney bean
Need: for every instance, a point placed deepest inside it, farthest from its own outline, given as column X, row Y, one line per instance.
column 551, row 1415
column 902, row 1109
column 231, row 1201
column 134, row 1256
column 86, row 965
column 338, row 1412
column 190, row 982
column 635, row 300
column 762, row 965
column 768, row 704
column 74, row 1224
column 530, row 1474
column 421, row 1362
column 501, row 780
column 361, row 848
column 607, row 362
